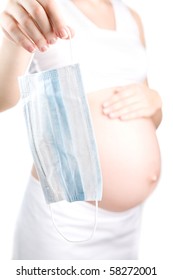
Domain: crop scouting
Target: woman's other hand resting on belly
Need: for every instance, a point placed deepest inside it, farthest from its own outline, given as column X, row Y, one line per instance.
column 133, row 101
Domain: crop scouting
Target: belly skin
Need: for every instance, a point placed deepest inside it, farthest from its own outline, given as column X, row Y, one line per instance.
column 129, row 156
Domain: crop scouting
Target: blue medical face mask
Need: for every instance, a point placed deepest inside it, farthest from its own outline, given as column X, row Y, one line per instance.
column 61, row 135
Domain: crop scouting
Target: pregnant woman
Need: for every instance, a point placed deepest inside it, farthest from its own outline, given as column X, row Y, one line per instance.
column 108, row 43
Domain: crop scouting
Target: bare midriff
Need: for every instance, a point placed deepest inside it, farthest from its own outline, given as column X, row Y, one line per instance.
column 129, row 156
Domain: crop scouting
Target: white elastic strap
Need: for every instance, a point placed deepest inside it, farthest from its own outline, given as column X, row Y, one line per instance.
column 29, row 63
column 76, row 241
column 96, row 202
column 71, row 52
column 71, row 49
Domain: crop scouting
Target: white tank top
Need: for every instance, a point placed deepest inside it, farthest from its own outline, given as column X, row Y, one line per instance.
column 107, row 58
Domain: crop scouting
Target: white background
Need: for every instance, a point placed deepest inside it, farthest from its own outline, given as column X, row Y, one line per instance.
column 15, row 157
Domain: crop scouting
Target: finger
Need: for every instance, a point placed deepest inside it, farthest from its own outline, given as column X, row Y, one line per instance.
column 70, row 32
column 7, row 35
column 27, row 11
column 122, row 104
column 13, row 32
column 29, row 27
column 119, row 94
column 55, row 17
column 128, row 110
column 142, row 113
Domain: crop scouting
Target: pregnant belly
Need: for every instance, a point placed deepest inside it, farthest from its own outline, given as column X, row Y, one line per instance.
column 129, row 157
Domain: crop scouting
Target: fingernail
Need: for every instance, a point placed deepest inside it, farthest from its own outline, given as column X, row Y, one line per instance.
column 63, row 33
column 44, row 48
column 31, row 49
column 112, row 115
column 52, row 41
column 106, row 111
column 105, row 104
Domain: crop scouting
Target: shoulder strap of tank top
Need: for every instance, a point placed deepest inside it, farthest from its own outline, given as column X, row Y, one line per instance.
column 124, row 19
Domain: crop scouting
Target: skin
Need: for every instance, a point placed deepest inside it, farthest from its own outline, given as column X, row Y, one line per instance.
column 37, row 24
column 28, row 24
column 127, row 103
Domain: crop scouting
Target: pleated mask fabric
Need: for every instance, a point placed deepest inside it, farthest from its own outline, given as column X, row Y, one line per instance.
column 61, row 135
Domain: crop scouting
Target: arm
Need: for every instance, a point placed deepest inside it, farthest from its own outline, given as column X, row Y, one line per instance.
column 137, row 100
column 134, row 101
column 27, row 25
column 34, row 24
column 14, row 61
column 157, row 116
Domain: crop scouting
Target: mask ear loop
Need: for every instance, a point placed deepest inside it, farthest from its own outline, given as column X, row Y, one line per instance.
column 96, row 201
column 76, row 241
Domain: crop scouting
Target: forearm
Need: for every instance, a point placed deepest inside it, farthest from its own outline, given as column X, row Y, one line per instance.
column 14, row 61
column 157, row 118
